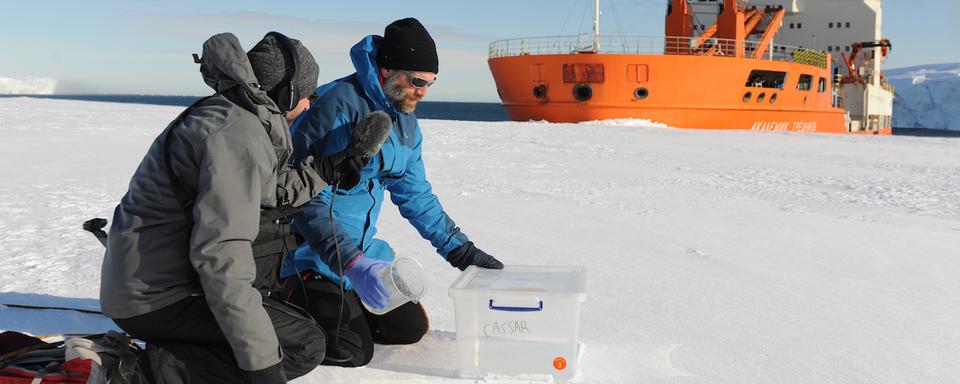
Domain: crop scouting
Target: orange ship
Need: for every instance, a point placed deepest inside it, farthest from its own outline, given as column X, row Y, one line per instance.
column 726, row 76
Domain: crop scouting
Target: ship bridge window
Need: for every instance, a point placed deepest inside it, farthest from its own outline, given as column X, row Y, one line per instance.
column 805, row 83
column 822, row 85
column 766, row 79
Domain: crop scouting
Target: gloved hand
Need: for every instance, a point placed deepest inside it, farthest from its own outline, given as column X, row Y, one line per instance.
column 364, row 274
column 468, row 254
column 366, row 138
column 340, row 169
column 270, row 375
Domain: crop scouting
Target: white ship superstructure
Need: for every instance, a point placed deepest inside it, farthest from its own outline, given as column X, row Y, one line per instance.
column 841, row 28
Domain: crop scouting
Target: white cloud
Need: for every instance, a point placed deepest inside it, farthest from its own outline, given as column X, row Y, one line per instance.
column 27, row 86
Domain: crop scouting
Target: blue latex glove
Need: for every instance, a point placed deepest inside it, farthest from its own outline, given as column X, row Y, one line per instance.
column 364, row 274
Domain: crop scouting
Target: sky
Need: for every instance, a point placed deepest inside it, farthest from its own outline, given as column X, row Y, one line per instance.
column 144, row 47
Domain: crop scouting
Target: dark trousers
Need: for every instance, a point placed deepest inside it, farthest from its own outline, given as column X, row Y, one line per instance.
column 186, row 345
column 351, row 329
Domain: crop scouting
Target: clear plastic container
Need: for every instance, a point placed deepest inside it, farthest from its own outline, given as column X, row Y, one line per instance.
column 519, row 321
column 405, row 280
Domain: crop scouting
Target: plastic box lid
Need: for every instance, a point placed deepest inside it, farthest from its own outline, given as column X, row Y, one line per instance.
column 565, row 281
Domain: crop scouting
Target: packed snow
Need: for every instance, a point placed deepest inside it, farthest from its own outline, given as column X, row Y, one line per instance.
column 926, row 96
column 27, row 85
column 712, row 257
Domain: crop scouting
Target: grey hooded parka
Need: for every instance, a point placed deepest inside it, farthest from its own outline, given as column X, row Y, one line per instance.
column 230, row 152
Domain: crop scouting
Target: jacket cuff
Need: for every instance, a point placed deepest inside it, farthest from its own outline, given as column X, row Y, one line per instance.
column 352, row 262
column 348, row 261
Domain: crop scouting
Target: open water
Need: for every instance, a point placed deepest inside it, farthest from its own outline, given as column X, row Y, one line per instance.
column 441, row 110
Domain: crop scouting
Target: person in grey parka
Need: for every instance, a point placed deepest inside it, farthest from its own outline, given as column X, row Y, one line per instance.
column 179, row 270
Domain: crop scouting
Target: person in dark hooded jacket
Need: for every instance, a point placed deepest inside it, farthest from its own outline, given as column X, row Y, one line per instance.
column 180, row 271
column 393, row 73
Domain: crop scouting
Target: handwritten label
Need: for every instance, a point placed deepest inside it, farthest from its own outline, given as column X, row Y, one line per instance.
column 505, row 328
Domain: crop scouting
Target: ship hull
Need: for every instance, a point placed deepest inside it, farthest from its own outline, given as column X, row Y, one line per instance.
column 682, row 91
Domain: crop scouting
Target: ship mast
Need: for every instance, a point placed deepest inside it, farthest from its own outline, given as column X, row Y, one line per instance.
column 596, row 25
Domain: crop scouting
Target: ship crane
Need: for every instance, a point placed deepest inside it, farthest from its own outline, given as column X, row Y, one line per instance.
column 854, row 76
column 736, row 22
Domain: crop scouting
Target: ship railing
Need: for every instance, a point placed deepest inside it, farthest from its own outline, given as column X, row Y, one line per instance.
column 742, row 4
column 670, row 45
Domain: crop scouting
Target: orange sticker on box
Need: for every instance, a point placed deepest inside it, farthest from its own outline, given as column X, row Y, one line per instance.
column 560, row 363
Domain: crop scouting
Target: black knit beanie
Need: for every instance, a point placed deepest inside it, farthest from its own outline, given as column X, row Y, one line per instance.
column 271, row 64
column 407, row 45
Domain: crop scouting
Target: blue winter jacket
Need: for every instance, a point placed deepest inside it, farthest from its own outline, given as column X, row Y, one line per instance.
column 324, row 130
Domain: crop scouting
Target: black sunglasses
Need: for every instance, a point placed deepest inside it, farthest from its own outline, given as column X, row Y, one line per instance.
column 418, row 82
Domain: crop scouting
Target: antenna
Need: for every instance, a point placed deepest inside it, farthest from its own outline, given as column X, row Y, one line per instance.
column 596, row 25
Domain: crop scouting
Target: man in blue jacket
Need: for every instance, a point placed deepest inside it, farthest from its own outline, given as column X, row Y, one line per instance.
column 393, row 73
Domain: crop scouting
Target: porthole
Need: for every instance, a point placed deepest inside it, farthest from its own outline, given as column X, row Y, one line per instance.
column 540, row 91
column 582, row 92
column 773, row 98
column 747, row 96
column 761, row 96
column 641, row 93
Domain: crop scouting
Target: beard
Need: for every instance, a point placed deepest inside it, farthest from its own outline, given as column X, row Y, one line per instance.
column 397, row 93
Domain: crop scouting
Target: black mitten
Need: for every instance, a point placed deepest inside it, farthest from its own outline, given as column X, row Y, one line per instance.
column 468, row 254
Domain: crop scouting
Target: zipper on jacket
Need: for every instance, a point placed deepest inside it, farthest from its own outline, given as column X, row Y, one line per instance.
column 366, row 223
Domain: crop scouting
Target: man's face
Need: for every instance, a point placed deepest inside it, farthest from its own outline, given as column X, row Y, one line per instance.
column 402, row 90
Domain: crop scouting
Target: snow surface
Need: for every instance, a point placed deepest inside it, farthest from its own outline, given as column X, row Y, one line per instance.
column 926, row 96
column 713, row 257
column 27, row 85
